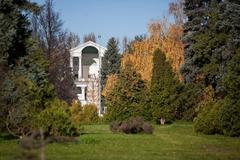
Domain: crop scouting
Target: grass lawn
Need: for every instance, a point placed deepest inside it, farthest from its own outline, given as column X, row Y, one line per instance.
column 176, row 141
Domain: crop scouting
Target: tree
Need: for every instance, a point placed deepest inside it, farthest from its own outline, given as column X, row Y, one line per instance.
column 162, row 84
column 50, row 26
column 162, row 35
column 125, row 44
column 14, row 32
column 176, row 9
column 110, row 61
column 211, row 39
column 89, row 37
column 56, row 43
column 127, row 97
column 24, row 87
column 212, row 58
column 230, row 113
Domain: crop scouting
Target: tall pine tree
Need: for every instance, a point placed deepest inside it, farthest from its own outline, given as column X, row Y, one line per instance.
column 211, row 35
column 110, row 61
column 162, row 85
column 212, row 56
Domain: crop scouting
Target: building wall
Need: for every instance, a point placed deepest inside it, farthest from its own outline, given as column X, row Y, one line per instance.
column 87, row 70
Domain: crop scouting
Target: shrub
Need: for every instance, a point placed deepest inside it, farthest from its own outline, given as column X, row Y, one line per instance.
column 76, row 110
column 89, row 114
column 185, row 100
column 208, row 120
column 147, row 128
column 230, row 117
column 132, row 126
column 115, row 125
column 56, row 120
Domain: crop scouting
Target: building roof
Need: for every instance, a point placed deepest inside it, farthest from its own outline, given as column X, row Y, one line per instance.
column 80, row 47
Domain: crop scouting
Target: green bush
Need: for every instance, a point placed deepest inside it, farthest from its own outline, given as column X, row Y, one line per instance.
column 208, row 120
column 185, row 100
column 89, row 114
column 56, row 120
column 76, row 110
column 230, row 117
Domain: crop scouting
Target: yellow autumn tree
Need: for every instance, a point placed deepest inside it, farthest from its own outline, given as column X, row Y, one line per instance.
column 162, row 35
column 111, row 81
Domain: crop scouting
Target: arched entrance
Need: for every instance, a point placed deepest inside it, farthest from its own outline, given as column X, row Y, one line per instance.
column 89, row 53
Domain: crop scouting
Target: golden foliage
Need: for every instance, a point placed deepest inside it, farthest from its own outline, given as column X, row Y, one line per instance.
column 162, row 35
column 111, row 81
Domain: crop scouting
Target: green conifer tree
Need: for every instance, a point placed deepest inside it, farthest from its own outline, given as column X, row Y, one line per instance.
column 230, row 113
column 211, row 38
column 211, row 56
column 110, row 61
column 162, row 85
column 14, row 32
column 127, row 98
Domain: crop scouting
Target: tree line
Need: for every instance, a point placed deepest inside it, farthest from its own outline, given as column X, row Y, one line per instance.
column 187, row 70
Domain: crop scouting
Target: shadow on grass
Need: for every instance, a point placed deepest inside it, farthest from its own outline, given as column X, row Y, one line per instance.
column 7, row 136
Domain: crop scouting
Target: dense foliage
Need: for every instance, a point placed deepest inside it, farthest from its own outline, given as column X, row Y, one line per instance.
column 127, row 97
column 230, row 113
column 211, row 37
column 89, row 114
column 162, row 35
column 207, row 120
column 27, row 98
column 162, row 86
column 56, row 120
column 212, row 41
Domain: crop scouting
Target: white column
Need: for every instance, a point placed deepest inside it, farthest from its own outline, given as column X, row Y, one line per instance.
column 99, row 82
column 83, row 93
column 80, row 68
column 71, row 63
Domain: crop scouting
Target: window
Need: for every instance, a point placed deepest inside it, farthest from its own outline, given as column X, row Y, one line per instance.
column 79, row 90
column 76, row 76
column 75, row 61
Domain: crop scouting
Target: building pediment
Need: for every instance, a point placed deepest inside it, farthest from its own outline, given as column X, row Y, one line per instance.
column 80, row 48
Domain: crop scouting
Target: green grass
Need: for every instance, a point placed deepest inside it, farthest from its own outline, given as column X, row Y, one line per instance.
column 176, row 141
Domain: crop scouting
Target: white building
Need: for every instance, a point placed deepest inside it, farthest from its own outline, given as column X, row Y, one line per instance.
column 85, row 61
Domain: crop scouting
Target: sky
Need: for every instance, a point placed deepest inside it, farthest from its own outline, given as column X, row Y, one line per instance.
column 109, row 18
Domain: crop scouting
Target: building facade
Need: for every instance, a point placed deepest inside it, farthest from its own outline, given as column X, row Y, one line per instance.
column 85, row 61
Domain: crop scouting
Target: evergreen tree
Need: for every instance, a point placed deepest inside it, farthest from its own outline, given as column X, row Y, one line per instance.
column 110, row 61
column 127, row 97
column 211, row 37
column 230, row 113
column 14, row 32
column 162, row 85
column 24, row 88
